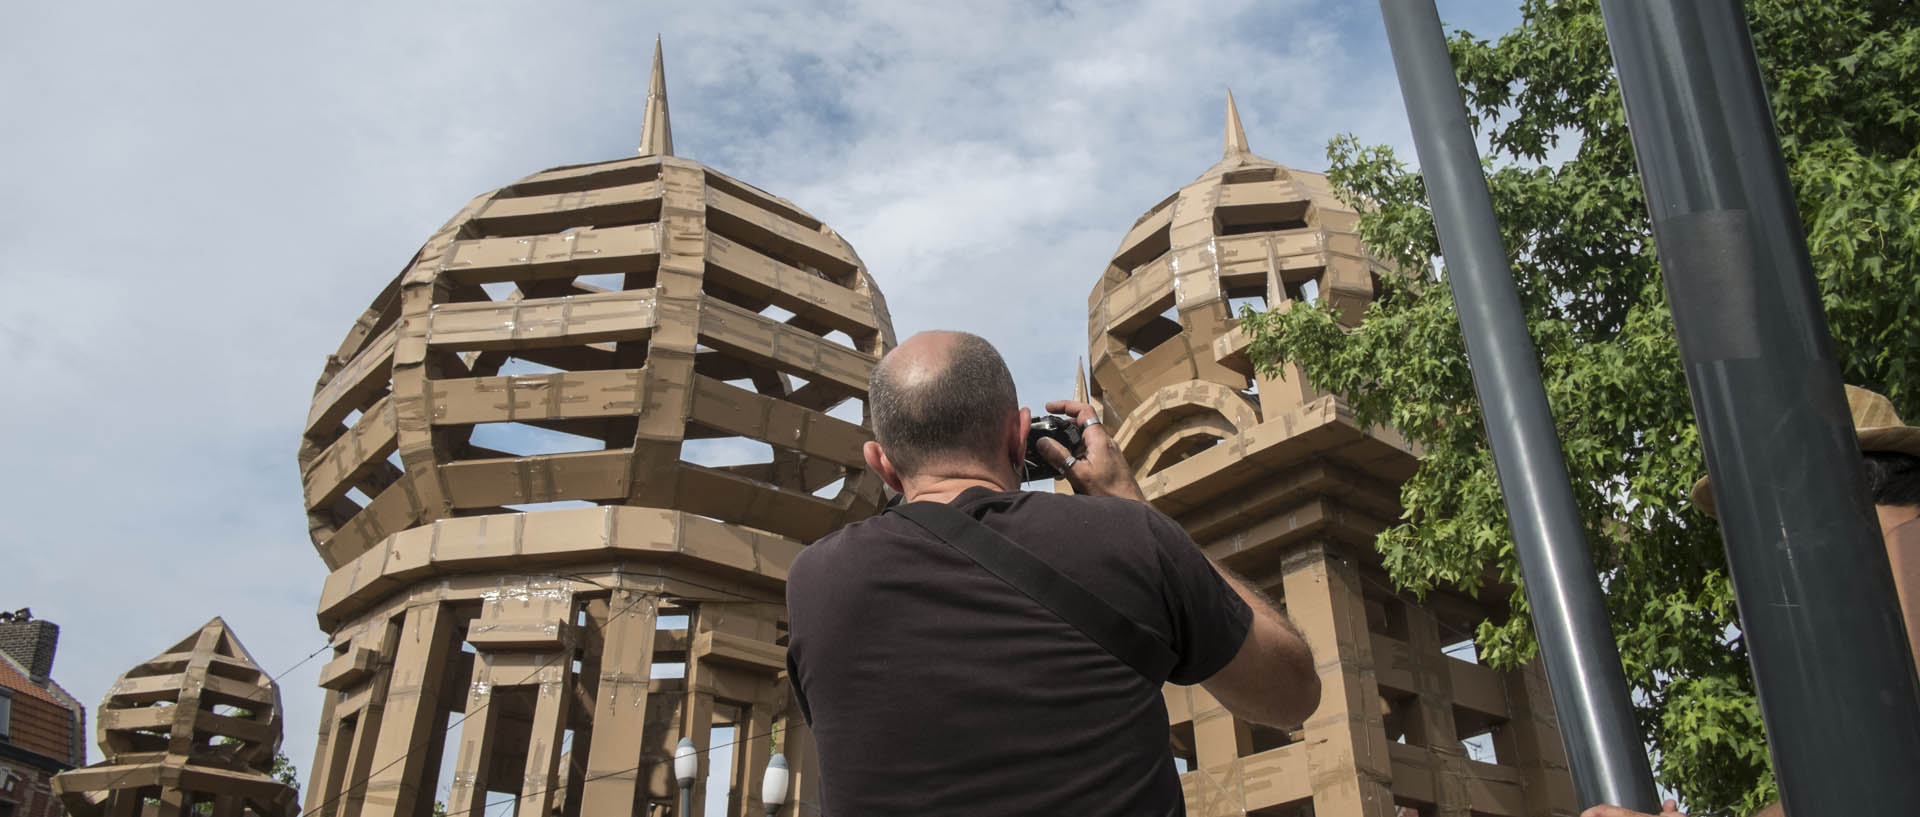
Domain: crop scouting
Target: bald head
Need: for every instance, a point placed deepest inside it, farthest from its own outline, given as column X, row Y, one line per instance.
column 941, row 396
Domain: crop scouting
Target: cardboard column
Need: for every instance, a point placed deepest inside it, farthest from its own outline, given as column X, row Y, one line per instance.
column 796, row 742
column 1532, row 739
column 338, row 766
column 665, row 706
column 755, row 733
column 1218, row 737
column 370, row 705
column 1347, row 753
column 125, row 806
column 580, row 709
column 1446, row 759
column 696, row 720
column 410, row 713
column 537, row 787
column 613, row 769
column 469, row 791
column 357, row 760
column 171, row 802
column 323, row 785
column 595, row 613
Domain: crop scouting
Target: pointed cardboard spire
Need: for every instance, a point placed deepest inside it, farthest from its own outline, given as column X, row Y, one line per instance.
column 179, row 675
column 656, row 133
column 1236, row 135
column 1080, row 380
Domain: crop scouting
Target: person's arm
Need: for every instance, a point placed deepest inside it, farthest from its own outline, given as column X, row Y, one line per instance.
column 1271, row 679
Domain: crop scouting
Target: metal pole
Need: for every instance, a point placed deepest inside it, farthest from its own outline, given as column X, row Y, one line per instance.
column 1604, row 747
column 1817, row 601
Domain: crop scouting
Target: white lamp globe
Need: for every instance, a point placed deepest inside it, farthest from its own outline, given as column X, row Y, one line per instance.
column 773, row 789
column 686, row 762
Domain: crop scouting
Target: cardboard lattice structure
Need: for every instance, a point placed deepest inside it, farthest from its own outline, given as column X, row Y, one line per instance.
column 194, row 728
column 1275, row 480
column 512, row 469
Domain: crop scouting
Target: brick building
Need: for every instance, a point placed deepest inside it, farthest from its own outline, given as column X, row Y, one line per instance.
column 42, row 728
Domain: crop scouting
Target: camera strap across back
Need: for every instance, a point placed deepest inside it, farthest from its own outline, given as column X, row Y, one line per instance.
column 1125, row 638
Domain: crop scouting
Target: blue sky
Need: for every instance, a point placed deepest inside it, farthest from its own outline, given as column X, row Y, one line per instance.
column 200, row 199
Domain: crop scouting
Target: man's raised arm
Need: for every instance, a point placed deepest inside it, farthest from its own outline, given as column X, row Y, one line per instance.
column 1271, row 680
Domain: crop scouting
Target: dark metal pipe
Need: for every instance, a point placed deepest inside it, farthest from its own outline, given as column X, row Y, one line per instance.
column 1817, row 602
column 1604, row 748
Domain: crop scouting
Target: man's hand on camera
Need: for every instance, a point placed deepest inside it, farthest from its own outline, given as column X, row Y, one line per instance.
column 1101, row 470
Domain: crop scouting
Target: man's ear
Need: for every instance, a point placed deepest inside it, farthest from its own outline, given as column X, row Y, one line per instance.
column 1019, row 440
column 877, row 460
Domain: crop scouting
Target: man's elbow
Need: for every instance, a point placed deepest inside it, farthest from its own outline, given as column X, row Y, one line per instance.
column 1308, row 699
column 1273, row 681
column 1298, row 701
column 1301, row 684
column 1293, row 696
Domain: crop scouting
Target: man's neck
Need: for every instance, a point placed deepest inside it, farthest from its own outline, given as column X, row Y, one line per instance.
column 945, row 484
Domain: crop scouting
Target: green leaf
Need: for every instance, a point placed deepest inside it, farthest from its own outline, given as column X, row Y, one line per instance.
column 1844, row 91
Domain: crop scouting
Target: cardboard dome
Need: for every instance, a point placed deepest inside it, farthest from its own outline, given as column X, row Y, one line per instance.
column 1168, row 360
column 196, row 724
column 616, row 333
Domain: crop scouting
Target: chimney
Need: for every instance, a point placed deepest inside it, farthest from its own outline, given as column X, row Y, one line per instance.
column 30, row 642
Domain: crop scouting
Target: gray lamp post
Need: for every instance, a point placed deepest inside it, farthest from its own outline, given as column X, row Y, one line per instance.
column 773, row 787
column 686, row 767
column 1605, row 751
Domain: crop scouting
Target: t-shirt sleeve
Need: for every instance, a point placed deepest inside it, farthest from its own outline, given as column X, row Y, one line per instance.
column 798, row 574
column 799, row 692
column 1209, row 621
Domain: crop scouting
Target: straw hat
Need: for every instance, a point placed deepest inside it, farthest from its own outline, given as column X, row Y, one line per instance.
column 1874, row 419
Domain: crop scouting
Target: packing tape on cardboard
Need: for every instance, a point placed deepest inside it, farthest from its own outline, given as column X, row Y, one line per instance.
column 423, row 594
column 1225, row 792
column 478, row 692
column 525, row 484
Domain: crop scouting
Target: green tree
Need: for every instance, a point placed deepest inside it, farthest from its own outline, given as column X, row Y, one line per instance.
column 284, row 771
column 1841, row 77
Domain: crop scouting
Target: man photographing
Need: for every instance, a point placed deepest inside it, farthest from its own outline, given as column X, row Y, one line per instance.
column 940, row 676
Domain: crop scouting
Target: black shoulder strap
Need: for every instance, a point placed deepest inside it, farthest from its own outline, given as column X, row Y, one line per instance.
column 1130, row 642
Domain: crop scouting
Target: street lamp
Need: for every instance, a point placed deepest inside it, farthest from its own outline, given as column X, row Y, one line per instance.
column 686, row 767
column 773, row 788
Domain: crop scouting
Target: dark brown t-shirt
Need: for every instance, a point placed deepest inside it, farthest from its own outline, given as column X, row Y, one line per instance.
column 935, row 688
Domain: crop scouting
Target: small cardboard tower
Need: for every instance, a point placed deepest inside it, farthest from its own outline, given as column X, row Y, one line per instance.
column 511, row 473
column 1275, row 479
column 195, row 728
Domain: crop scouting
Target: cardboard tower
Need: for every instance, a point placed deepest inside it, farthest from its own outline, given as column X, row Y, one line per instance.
column 194, row 730
column 1275, row 480
column 513, row 470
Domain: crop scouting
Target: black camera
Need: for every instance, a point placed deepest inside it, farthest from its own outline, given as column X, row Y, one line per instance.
column 1058, row 429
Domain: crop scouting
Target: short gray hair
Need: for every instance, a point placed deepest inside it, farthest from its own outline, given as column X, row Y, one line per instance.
column 959, row 411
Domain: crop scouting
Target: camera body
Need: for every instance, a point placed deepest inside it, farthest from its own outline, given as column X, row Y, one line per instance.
column 1062, row 430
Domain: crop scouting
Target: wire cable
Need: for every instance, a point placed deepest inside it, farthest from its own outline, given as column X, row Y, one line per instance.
column 273, row 679
column 590, row 778
column 351, row 788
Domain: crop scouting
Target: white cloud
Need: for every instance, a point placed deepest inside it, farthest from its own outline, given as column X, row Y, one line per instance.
column 203, row 197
